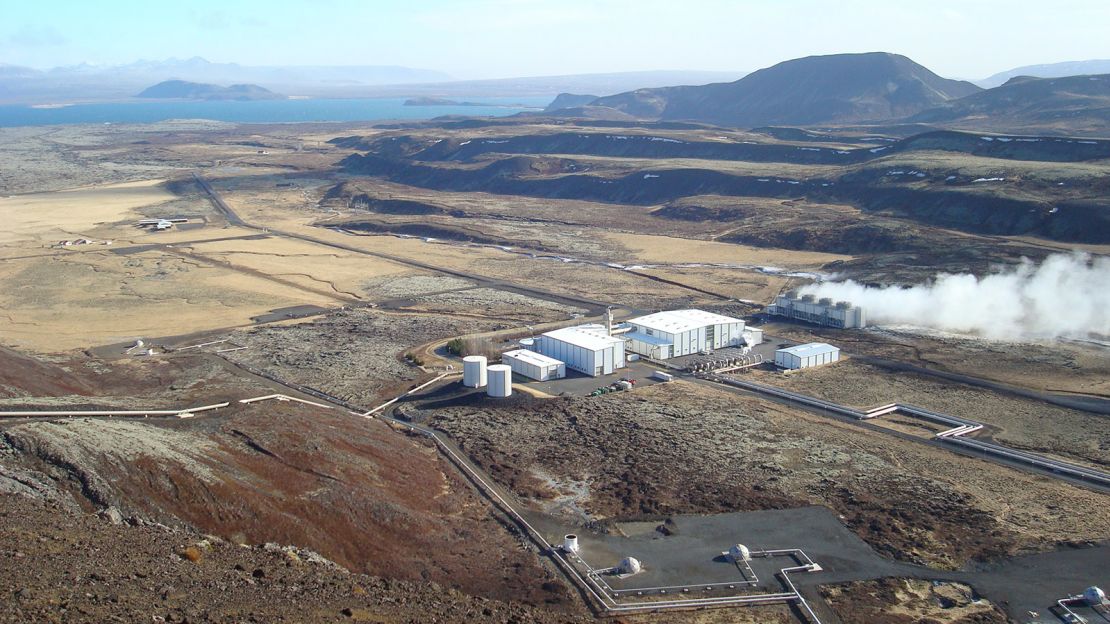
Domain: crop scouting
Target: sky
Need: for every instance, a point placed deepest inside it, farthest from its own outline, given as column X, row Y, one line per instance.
column 471, row 39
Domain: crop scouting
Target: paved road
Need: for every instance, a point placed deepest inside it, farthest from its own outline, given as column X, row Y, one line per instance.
column 594, row 307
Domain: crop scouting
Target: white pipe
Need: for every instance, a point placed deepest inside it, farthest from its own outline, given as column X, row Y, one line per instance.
column 203, row 344
column 79, row 413
column 283, row 397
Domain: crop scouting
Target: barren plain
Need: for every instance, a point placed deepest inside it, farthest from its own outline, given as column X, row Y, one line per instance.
column 332, row 262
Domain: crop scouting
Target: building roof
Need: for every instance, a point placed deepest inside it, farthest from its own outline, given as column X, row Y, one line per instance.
column 809, row 349
column 678, row 321
column 590, row 337
column 644, row 338
column 531, row 357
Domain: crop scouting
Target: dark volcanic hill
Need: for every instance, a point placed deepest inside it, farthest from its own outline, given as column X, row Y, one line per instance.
column 1074, row 103
column 183, row 89
column 569, row 100
column 813, row 90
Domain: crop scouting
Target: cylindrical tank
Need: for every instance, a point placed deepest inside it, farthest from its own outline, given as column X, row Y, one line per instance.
column 570, row 543
column 1094, row 596
column 528, row 343
column 474, row 371
column 500, row 380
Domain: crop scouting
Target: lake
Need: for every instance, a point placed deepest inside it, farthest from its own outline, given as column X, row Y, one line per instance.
column 261, row 111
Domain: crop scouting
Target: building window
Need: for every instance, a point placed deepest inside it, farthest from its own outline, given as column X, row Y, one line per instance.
column 649, row 332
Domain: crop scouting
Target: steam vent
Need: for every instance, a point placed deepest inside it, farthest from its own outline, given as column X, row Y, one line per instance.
column 807, row 308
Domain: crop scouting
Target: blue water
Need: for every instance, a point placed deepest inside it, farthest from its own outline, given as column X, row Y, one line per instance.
column 262, row 111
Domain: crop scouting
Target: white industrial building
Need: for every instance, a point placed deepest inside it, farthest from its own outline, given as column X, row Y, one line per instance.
column 824, row 312
column 675, row 333
column 534, row 365
column 589, row 349
column 806, row 355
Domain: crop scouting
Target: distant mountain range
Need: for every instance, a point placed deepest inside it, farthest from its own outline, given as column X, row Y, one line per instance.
column 1051, row 70
column 91, row 82
column 863, row 89
column 838, row 88
column 182, row 89
column 868, row 89
column 95, row 82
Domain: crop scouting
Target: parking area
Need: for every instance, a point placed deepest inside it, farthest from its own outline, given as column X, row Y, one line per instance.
column 580, row 384
column 765, row 350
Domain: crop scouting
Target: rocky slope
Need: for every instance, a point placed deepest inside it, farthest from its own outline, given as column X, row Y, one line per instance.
column 61, row 566
column 363, row 495
column 1074, row 103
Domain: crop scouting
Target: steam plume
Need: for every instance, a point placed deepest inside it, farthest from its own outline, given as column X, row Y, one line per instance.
column 1068, row 295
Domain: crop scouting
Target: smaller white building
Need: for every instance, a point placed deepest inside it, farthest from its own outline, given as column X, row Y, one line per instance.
column 534, row 365
column 806, row 355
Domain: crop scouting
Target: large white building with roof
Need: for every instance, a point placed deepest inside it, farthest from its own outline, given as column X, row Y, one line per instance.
column 675, row 333
column 587, row 349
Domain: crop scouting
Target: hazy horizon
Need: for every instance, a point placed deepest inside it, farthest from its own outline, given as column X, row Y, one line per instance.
column 489, row 39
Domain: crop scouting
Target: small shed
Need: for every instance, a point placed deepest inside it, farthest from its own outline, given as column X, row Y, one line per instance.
column 806, row 355
column 534, row 365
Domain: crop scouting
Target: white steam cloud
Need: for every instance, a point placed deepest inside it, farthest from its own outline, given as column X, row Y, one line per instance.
column 1068, row 295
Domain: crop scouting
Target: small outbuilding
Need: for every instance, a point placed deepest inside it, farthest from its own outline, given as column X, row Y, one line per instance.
column 534, row 365
column 806, row 355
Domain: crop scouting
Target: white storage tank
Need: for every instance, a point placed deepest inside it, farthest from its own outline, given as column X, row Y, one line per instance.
column 500, row 380
column 570, row 543
column 474, row 371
